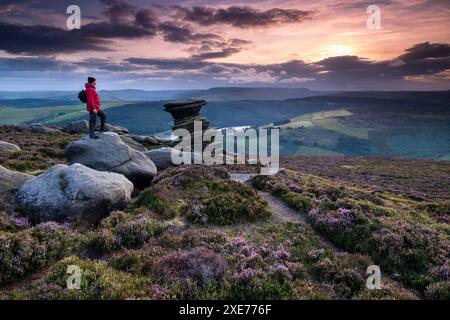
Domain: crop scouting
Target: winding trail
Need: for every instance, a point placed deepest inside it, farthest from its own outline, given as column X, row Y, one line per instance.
column 283, row 212
column 280, row 210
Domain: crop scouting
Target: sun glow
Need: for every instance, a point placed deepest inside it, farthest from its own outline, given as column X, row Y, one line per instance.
column 338, row 50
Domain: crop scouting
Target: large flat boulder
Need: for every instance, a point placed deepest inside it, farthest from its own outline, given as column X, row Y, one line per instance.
column 110, row 153
column 82, row 126
column 70, row 193
column 10, row 182
column 8, row 148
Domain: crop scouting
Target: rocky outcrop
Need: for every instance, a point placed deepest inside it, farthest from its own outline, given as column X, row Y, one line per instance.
column 69, row 193
column 162, row 157
column 133, row 143
column 110, row 153
column 10, row 182
column 8, row 148
column 82, row 126
column 153, row 140
column 144, row 139
column 36, row 128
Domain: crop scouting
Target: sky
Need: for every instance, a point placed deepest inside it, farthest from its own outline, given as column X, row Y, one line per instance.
column 168, row 45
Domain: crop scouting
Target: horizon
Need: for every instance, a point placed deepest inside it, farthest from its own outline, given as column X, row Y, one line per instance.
column 231, row 87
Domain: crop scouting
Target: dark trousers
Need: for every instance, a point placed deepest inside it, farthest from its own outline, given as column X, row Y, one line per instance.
column 93, row 120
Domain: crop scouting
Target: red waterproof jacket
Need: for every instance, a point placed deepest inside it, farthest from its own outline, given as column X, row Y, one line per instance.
column 93, row 100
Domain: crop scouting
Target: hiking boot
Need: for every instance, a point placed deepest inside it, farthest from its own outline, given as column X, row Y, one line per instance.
column 93, row 136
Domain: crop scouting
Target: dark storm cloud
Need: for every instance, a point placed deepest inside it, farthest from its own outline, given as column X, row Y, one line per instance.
column 426, row 50
column 124, row 21
column 168, row 64
column 45, row 40
column 119, row 12
column 174, row 32
column 34, row 64
column 146, row 18
column 104, row 30
column 241, row 16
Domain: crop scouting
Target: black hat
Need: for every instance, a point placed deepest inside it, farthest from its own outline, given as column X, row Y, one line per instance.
column 91, row 79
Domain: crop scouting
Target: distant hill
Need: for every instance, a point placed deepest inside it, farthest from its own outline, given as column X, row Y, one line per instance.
column 10, row 95
column 213, row 94
column 106, row 95
column 238, row 93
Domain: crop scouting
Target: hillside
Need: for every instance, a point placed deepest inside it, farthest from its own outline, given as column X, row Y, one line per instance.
column 221, row 232
column 239, row 93
column 389, row 124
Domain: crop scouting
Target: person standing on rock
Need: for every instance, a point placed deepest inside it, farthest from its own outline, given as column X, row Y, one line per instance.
column 94, row 108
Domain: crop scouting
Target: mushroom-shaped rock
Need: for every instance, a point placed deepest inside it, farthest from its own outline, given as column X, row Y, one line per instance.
column 70, row 193
column 110, row 153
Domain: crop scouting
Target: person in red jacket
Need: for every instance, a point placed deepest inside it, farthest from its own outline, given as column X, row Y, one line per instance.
column 93, row 107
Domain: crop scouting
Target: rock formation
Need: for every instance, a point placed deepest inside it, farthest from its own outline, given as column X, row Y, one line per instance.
column 185, row 113
column 82, row 126
column 8, row 148
column 68, row 193
column 10, row 182
column 162, row 157
column 110, row 153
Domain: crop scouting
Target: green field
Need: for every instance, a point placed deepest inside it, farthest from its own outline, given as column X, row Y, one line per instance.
column 47, row 115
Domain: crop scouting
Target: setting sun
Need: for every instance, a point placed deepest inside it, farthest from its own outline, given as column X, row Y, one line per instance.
column 338, row 50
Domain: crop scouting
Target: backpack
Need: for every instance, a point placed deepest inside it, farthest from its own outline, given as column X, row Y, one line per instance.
column 82, row 96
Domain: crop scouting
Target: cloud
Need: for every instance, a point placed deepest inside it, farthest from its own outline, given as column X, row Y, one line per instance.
column 426, row 50
column 427, row 63
column 168, row 64
column 21, row 64
column 46, row 40
column 119, row 12
column 241, row 16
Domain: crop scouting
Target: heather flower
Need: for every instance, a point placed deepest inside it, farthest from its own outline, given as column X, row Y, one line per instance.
column 280, row 267
column 281, row 253
column 244, row 275
column 316, row 254
column 50, row 226
column 159, row 293
column 333, row 220
column 264, row 249
column 295, row 188
column 441, row 273
column 313, row 213
column 133, row 232
column 323, row 198
column 238, row 242
column 21, row 222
